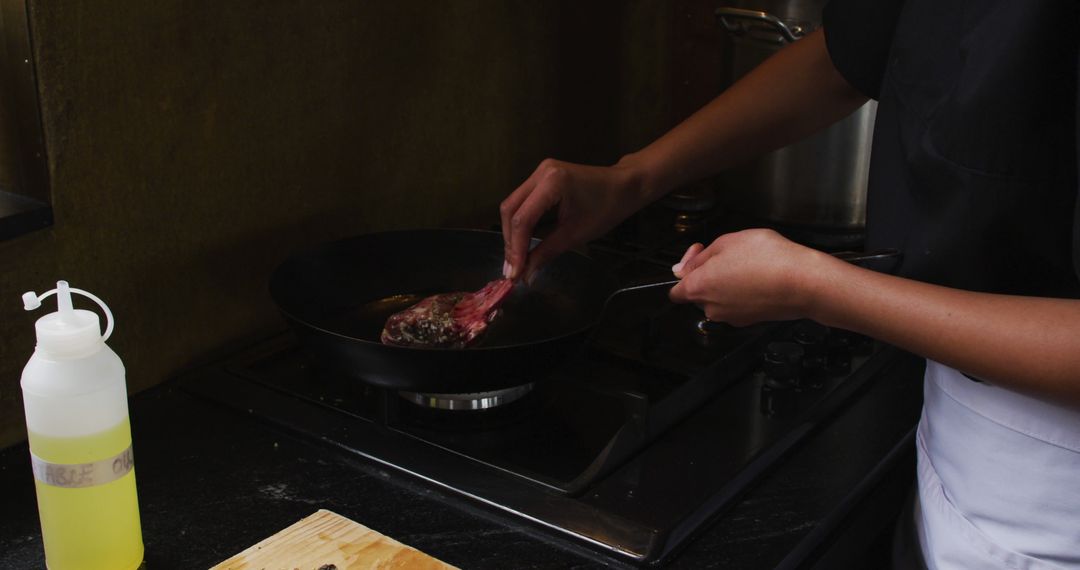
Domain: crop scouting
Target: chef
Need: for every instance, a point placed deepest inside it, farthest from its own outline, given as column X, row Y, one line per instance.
column 974, row 178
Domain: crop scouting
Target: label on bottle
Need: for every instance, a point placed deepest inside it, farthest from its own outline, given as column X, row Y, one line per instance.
column 78, row 475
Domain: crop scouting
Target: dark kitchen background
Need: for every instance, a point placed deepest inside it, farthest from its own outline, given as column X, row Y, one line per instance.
column 190, row 146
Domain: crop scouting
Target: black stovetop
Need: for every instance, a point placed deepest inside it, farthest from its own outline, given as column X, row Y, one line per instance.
column 629, row 447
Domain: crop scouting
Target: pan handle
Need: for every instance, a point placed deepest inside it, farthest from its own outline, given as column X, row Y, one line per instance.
column 641, row 287
column 628, row 289
column 633, row 288
column 855, row 257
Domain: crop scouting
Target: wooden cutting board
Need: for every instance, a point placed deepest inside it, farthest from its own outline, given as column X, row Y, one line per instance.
column 329, row 541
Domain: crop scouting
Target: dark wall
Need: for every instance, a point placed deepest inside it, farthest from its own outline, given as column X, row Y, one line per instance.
column 193, row 145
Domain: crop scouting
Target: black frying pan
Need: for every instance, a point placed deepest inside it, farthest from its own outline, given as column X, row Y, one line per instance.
column 337, row 297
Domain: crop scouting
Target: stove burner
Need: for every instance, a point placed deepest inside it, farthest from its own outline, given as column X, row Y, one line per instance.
column 470, row 401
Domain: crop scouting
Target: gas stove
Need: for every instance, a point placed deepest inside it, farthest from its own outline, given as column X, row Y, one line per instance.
column 629, row 447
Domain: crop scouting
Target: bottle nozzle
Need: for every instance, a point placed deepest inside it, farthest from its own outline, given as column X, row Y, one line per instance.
column 31, row 300
column 63, row 303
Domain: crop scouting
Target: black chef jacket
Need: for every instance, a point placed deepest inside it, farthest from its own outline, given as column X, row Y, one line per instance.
column 973, row 171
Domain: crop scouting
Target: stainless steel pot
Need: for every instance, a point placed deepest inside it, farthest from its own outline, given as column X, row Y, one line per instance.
column 820, row 182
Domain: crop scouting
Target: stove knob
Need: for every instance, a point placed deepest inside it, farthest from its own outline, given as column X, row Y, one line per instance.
column 782, row 367
column 813, row 338
column 838, row 361
column 783, row 361
column 778, row 397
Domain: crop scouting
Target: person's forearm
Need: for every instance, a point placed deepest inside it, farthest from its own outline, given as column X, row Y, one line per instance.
column 789, row 96
column 1029, row 344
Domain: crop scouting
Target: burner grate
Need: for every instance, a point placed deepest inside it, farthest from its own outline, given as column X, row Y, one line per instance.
column 475, row 401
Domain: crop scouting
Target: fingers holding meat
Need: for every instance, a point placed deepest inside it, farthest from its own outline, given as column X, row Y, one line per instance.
column 588, row 200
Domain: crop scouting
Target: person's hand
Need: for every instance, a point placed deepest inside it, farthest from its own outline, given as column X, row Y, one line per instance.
column 748, row 277
column 590, row 200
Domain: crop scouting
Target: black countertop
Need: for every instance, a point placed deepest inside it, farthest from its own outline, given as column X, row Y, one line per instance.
column 212, row 482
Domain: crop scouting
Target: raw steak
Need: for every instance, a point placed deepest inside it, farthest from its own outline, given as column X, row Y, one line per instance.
column 448, row 320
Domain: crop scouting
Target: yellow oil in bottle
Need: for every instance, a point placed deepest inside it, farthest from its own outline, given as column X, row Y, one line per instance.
column 89, row 528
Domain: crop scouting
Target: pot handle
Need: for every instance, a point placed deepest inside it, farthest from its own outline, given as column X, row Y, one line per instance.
column 738, row 21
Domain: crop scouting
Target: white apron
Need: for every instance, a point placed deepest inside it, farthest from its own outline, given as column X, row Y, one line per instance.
column 999, row 477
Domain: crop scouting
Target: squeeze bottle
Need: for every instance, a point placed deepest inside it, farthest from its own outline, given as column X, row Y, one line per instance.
column 75, row 399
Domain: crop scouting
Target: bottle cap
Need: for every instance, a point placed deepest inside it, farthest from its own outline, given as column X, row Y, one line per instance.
column 69, row 332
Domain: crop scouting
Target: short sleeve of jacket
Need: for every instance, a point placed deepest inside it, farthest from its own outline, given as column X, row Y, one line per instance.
column 858, row 34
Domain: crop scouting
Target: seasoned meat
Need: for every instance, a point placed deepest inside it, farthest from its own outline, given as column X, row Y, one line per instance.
column 448, row 320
